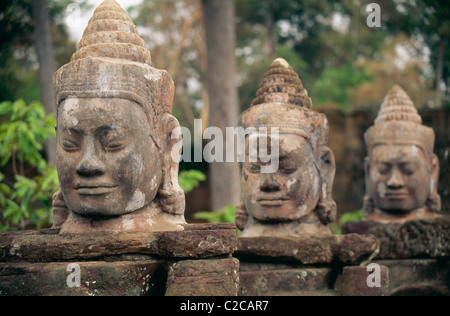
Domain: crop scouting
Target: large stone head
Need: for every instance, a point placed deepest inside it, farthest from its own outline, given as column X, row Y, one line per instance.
column 296, row 197
column 114, row 127
column 401, row 169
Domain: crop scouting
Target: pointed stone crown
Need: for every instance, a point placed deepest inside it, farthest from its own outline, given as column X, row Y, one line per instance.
column 398, row 122
column 282, row 102
column 281, row 84
column 112, row 33
column 397, row 106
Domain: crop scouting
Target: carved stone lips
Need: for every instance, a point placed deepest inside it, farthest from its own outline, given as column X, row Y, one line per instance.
column 272, row 201
column 94, row 189
column 396, row 195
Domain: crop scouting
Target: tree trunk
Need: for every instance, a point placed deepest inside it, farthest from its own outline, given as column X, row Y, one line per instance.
column 47, row 65
column 223, row 99
column 439, row 71
column 270, row 26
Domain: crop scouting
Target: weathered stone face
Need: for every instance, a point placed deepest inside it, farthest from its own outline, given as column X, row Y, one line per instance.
column 107, row 162
column 401, row 169
column 294, row 199
column 114, row 133
column 288, row 194
column 399, row 177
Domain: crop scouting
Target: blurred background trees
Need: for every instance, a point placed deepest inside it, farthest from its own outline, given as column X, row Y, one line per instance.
column 344, row 64
column 327, row 42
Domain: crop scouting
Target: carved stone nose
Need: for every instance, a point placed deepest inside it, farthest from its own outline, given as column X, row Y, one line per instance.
column 270, row 185
column 89, row 168
column 396, row 179
column 90, row 164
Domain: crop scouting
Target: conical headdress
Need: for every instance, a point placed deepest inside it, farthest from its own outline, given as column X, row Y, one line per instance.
column 399, row 122
column 282, row 85
column 112, row 33
column 283, row 102
column 112, row 62
column 397, row 106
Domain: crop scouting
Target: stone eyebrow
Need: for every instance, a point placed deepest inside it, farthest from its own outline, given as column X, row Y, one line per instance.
column 106, row 128
column 75, row 130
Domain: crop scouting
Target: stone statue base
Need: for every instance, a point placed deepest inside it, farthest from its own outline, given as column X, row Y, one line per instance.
column 307, row 265
column 415, row 252
column 193, row 262
column 424, row 238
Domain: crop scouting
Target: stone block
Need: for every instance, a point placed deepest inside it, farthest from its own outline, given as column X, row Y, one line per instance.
column 425, row 238
column 345, row 249
column 212, row 277
column 418, row 277
column 95, row 279
column 294, row 281
column 118, row 264
column 363, row 281
column 195, row 241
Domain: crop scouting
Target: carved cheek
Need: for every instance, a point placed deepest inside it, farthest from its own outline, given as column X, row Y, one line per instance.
column 381, row 190
column 250, row 181
column 418, row 185
column 374, row 174
column 293, row 188
column 299, row 185
column 66, row 166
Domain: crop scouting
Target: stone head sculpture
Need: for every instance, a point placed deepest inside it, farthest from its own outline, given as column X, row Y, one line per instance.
column 401, row 169
column 296, row 198
column 114, row 127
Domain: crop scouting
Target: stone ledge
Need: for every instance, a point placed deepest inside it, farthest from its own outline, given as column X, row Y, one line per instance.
column 418, row 277
column 350, row 249
column 96, row 279
column 426, row 238
column 196, row 241
column 354, row 282
column 218, row 277
column 302, row 281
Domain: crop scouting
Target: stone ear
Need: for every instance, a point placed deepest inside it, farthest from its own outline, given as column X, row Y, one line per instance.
column 170, row 195
column 60, row 212
column 326, row 207
column 434, row 200
column 368, row 206
column 241, row 216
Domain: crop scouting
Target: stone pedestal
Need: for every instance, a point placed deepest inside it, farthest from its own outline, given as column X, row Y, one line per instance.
column 415, row 252
column 196, row 261
column 296, row 266
column 363, row 281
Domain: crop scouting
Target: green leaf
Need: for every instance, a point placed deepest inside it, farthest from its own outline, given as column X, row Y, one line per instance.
column 11, row 209
column 19, row 110
column 225, row 215
column 190, row 179
column 5, row 108
column 351, row 217
column 4, row 189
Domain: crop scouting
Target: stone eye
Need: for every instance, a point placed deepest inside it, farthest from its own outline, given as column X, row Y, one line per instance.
column 69, row 145
column 254, row 168
column 384, row 169
column 114, row 146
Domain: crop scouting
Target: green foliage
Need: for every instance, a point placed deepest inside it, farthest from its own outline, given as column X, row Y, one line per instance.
column 225, row 215
column 333, row 84
column 351, row 217
column 29, row 203
column 24, row 130
column 5, row 191
column 345, row 218
column 339, row 50
column 24, row 133
column 18, row 56
column 189, row 179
